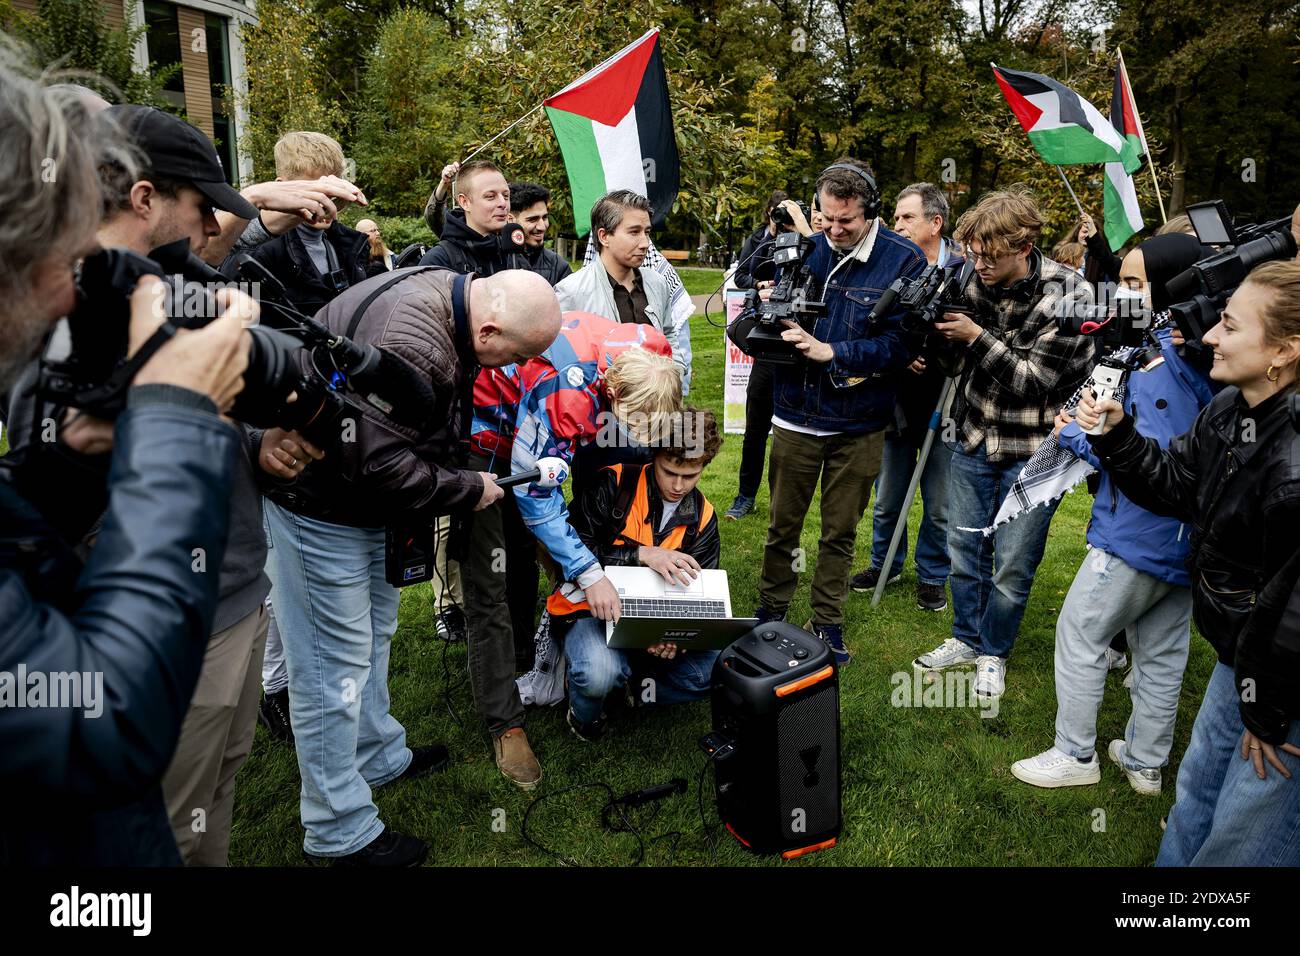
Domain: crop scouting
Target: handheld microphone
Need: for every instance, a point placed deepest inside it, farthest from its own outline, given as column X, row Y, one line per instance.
column 886, row 300
column 511, row 238
column 549, row 473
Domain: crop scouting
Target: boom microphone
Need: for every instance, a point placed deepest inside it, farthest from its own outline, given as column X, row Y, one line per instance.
column 549, row 473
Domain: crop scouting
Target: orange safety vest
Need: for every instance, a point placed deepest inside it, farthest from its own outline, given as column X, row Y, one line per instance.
column 637, row 530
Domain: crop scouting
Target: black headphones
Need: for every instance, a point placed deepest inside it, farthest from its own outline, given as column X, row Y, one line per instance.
column 872, row 206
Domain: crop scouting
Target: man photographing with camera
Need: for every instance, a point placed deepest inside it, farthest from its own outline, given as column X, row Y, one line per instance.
column 332, row 582
column 81, row 775
column 831, row 406
column 1018, row 368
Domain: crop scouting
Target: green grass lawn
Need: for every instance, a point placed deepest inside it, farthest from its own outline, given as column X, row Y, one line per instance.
column 700, row 281
column 922, row 787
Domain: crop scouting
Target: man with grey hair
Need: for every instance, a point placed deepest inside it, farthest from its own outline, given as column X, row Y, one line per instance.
column 617, row 285
column 921, row 214
column 80, row 790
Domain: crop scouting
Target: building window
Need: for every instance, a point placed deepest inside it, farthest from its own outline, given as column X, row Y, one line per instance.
column 223, row 127
column 163, row 43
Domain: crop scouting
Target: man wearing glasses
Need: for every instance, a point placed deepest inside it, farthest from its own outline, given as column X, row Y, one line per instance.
column 1017, row 370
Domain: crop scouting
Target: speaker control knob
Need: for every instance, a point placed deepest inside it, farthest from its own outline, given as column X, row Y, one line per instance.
column 768, row 635
column 801, row 653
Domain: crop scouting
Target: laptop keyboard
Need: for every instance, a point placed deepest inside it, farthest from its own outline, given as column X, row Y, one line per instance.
column 663, row 607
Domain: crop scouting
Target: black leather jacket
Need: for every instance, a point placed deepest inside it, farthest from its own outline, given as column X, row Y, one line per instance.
column 76, row 786
column 756, row 259
column 1235, row 477
column 286, row 258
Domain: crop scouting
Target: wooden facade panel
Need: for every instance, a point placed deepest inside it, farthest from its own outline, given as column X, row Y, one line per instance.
column 194, row 66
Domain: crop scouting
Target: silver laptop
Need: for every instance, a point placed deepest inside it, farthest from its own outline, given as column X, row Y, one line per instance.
column 695, row 616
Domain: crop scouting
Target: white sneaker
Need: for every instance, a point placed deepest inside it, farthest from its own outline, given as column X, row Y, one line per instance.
column 1055, row 768
column 1115, row 660
column 1145, row 782
column 950, row 653
column 990, row 676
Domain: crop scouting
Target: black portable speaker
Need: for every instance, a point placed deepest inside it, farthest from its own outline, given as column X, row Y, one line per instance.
column 776, row 741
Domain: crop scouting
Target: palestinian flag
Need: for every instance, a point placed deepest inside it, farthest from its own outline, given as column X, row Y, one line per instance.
column 615, row 129
column 1124, row 112
column 1063, row 126
column 1123, row 215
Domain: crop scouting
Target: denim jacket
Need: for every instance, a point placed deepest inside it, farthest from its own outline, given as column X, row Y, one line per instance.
column 851, row 393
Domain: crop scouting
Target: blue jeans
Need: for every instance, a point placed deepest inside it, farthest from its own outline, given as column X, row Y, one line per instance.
column 896, row 466
column 1225, row 815
column 596, row 669
column 1108, row 596
column 337, row 616
column 991, row 576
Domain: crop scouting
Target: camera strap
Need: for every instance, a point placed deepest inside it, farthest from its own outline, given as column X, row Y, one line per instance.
column 369, row 300
column 465, row 349
column 120, row 380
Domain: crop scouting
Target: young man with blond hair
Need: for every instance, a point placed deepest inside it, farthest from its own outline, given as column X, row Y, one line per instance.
column 1017, row 368
column 322, row 257
column 643, row 515
column 470, row 236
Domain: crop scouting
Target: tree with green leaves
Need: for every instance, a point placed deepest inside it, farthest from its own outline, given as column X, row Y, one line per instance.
column 285, row 78
column 410, row 117
column 72, row 35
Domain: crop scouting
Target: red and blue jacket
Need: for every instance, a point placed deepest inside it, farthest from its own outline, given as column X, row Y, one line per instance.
column 561, row 400
column 496, row 406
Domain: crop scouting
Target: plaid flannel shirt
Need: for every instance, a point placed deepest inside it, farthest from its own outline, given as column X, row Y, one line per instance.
column 1021, row 370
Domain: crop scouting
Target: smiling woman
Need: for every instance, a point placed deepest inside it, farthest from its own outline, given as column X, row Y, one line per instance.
column 1236, row 476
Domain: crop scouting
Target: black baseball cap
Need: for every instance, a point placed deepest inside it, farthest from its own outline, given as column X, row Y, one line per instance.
column 179, row 151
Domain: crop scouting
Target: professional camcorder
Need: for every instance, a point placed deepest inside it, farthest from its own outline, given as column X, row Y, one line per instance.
column 297, row 369
column 793, row 298
column 926, row 298
column 1123, row 322
column 1201, row 292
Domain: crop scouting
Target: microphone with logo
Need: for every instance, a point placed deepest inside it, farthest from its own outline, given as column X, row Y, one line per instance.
column 510, row 241
column 549, row 473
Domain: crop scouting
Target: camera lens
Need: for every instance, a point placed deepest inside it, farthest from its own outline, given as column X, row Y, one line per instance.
column 271, row 377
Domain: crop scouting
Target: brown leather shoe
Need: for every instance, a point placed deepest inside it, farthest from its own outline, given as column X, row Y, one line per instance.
column 515, row 759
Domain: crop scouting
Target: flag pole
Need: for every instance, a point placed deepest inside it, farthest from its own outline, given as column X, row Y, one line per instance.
column 1071, row 188
column 452, row 195
column 1159, row 198
column 1150, row 163
column 502, row 133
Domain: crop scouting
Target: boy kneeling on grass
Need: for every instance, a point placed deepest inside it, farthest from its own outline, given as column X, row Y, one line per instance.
column 651, row 516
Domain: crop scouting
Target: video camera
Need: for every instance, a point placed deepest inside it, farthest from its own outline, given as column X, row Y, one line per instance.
column 926, row 298
column 1201, row 292
column 295, row 374
column 1124, row 322
column 791, row 299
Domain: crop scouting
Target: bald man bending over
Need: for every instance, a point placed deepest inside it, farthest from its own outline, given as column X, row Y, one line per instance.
column 336, row 611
